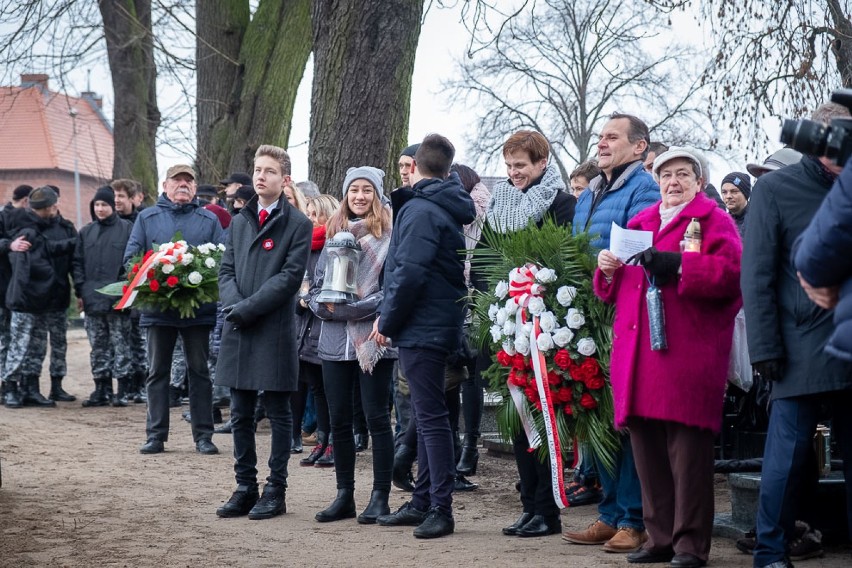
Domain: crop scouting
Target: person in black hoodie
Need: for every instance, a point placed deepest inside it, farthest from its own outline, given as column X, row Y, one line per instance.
column 422, row 313
column 97, row 262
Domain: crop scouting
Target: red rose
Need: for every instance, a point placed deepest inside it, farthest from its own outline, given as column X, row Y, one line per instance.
column 562, row 359
column 517, row 378
column 568, row 410
column 554, row 378
column 588, row 402
column 581, row 373
column 595, row 383
column 532, row 393
column 519, row 362
column 591, row 365
column 151, row 274
column 172, row 281
column 135, row 268
column 154, row 285
column 504, row 358
column 147, row 255
column 565, row 395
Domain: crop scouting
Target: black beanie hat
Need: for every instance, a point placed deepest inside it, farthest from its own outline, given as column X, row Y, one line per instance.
column 105, row 194
column 43, row 197
column 411, row 150
column 739, row 179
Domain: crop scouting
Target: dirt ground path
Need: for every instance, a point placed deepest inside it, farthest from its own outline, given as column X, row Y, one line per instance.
column 76, row 492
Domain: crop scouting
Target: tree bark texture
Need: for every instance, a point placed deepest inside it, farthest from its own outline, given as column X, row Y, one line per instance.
column 842, row 45
column 363, row 65
column 130, row 50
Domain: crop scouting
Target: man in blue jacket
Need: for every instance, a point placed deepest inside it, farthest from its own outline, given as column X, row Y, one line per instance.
column 422, row 313
column 177, row 210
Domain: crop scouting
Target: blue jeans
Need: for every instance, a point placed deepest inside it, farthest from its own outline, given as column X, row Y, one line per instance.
column 792, row 423
column 622, row 494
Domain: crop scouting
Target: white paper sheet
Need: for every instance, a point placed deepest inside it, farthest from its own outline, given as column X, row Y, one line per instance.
column 624, row 243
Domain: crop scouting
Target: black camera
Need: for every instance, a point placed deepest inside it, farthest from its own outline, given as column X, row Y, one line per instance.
column 817, row 139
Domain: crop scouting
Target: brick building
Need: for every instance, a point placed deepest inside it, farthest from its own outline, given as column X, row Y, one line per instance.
column 37, row 143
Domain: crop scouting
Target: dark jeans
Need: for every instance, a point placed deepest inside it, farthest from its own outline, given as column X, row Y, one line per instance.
column 792, row 423
column 401, row 403
column 536, row 481
column 622, row 493
column 312, row 374
column 161, row 345
column 436, row 471
column 473, row 396
column 340, row 379
column 277, row 405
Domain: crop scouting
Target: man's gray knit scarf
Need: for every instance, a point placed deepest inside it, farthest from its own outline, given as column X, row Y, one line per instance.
column 511, row 209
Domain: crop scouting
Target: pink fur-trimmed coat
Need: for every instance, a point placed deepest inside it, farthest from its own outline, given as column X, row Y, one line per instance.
column 686, row 382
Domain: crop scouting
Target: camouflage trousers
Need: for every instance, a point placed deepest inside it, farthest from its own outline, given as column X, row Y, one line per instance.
column 5, row 337
column 27, row 345
column 57, row 328
column 108, row 336
column 179, row 364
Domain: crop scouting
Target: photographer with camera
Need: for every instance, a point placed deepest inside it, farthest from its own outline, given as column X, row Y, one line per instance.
column 786, row 334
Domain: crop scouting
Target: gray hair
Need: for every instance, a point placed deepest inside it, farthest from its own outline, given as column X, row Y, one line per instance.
column 826, row 111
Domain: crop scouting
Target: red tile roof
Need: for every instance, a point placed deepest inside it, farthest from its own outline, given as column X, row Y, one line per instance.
column 36, row 132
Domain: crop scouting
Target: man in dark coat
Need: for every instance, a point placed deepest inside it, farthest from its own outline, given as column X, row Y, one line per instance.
column 786, row 336
column 177, row 210
column 262, row 270
column 422, row 313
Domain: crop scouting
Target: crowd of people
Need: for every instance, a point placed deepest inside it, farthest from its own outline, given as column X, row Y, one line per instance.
column 391, row 364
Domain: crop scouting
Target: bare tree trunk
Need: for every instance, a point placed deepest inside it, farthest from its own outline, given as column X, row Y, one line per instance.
column 363, row 66
column 842, row 45
column 127, row 28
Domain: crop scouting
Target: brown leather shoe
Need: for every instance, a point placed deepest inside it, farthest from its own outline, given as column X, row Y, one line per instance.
column 626, row 540
column 597, row 533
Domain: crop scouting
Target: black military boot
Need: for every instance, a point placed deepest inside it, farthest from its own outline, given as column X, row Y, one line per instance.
column 469, row 456
column 98, row 396
column 403, row 460
column 32, row 395
column 57, row 392
column 13, row 395
column 120, row 398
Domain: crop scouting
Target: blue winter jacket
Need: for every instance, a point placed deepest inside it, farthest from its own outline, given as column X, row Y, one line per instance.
column 823, row 254
column 424, row 271
column 159, row 224
column 633, row 191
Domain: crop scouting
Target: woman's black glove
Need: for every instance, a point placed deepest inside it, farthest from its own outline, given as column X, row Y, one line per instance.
column 770, row 370
column 663, row 266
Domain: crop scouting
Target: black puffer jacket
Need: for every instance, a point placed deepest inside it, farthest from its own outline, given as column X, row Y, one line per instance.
column 98, row 261
column 424, row 271
column 32, row 286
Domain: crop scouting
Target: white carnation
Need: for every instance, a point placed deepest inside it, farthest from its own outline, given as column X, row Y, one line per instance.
column 165, row 246
column 221, row 247
column 545, row 275
column 509, row 347
column 586, row 346
column 502, row 316
column 501, row 289
column 522, row 345
column 187, row 258
column 492, row 312
column 206, row 248
column 544, row 342
column 575, row 318
column 209, row 262
column 509, row 327
column 496, row 333
column 511, row 306
column 180, row 245
column 548, row 322
column 168, row 268
column 562, row 336
column 565, row 295
column 536, row 306
column 195, row 277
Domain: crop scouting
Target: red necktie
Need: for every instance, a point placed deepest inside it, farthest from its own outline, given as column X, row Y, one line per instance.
column 263, row 215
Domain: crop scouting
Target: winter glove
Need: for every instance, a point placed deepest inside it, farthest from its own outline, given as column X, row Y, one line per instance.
column 770, row 370
column 236, row 316
column 663, row 266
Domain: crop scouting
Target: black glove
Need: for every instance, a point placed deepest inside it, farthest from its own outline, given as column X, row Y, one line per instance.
column 663, row 266
column 234, row 315
column 770, row 370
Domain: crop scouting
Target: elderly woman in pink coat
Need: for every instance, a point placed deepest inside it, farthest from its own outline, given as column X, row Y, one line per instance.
column 670, row 397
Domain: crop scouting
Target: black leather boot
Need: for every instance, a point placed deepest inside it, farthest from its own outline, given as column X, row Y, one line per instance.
column 316, row 453
column 403, row 460
column 462, row 484
column 98, row 396
column 469, row 456
column 541, row 525
column 141, row 395
column 57, row 392
column 225, row 428
column 13, row 395
column 120, row 398
column 343, row 507
column 377, row 507
column 174, row 397
column 31, row 394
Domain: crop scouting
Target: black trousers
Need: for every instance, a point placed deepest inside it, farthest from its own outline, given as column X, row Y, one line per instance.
column 340, row 379
column 311, row 374
column 277, row 405
column 536, row 487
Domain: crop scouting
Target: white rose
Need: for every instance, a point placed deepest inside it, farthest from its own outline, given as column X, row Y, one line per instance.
column 562, row 336
column 565, row 295
column 511, row 306
column 221, row 247
column 509, row 347
column 195, row 277
column 536, row 306
column 547, row 321
column 502, row 316
column 575, row 318
column 496, row 333
column 546, row 275
column 586, row 346
column 501, row 289
column 544, row 342
column 165, row 246
column 168, row 268
column 187, row 258
column 206, row 248
column 522, row 345
column 492, row 312
column 509, row 327
column 209, row 262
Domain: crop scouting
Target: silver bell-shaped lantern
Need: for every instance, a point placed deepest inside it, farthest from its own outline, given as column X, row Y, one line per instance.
column 341, row 270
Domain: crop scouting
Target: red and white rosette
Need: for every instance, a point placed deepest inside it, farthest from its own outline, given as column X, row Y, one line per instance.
column 522, row 288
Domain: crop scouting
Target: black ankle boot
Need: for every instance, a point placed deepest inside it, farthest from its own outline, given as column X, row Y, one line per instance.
column 120, row 398
column 174, row 397
column 57, row 392
column 13, row 395
column 98, row 396
column 31, row 394
column 343, row 507
column 469, row 456
column 403, row 461
column 377, row 507
column 316, row 453
column 141, row 395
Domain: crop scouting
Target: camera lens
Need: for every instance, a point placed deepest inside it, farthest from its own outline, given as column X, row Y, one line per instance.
column 806, row 136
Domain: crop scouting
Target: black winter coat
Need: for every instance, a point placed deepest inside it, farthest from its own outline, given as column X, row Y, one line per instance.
column 98, row 261
column 824, row 257
column 309, row 324
column 33, row 285
column 783, row 323
column 424, row 271
column 63, row 239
